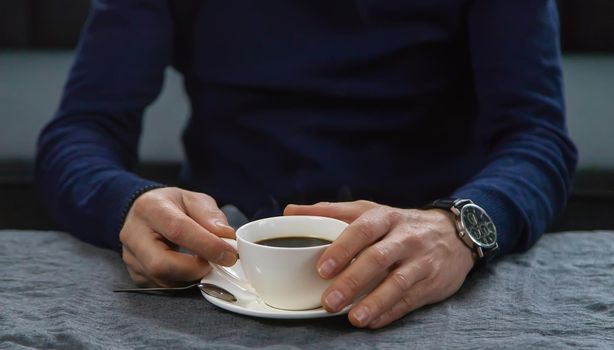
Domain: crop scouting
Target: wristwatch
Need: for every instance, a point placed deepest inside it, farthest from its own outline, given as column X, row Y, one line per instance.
column 473, row 225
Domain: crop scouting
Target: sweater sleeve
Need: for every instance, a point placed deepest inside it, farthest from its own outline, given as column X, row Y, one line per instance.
column 518, row 81
column 86, row 151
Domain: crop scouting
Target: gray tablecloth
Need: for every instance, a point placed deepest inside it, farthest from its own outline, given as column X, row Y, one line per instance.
column 55, row 292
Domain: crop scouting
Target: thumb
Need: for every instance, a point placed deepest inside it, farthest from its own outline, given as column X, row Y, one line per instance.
column 204, row 210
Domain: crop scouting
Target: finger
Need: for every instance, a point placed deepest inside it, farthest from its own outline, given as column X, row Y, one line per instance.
column 415, row 298
column 361, row 233
column 166, row 267
column 134, row 269
column 204, row 210
column 141, row 280
column 362, row 273
column 344, row 211
column 389, row 293
column 131, row 262
column 182, row 230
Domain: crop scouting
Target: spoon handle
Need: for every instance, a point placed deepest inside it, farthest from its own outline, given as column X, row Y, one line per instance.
column 207, row 288
column 155, row 289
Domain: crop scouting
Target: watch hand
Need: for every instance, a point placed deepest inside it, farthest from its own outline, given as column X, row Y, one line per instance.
column 472, row 219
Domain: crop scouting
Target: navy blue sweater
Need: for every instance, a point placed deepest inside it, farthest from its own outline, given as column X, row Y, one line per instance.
column 395, row 101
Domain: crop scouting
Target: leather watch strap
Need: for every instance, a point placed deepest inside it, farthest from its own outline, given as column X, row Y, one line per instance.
column 489, row 254
column 445, row 203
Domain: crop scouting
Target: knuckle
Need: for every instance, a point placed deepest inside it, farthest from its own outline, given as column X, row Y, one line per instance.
column 410, row 239
column 400, row 281
column 148, row 199
column 352, row 284
column 398, row 247
column 408, row 302
column 420, row 242
column 376, row 304
column 414, row 214
column 382, row 213
column 393, row 215
column 158, row 269
column 380, row 256
column 344, row 253
column 141, row 205
column 123, row 237
column 365, row 231
column 174, row 225
column 379, row 209
column 427, row 267
column 156, row 209
column 365, row 203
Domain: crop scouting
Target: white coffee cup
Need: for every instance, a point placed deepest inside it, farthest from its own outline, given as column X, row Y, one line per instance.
column 283, row 277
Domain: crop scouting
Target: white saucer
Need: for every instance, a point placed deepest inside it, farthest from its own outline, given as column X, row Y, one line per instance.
column 248, row 303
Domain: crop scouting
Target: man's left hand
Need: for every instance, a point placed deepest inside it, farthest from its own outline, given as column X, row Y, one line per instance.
column 417, row 251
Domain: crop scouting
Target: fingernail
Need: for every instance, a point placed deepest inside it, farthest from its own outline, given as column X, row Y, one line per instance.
column 362, row 315
column 327, row 268
column 333, row 300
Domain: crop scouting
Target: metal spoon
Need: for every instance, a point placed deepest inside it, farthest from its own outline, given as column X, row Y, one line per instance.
column 207, row 288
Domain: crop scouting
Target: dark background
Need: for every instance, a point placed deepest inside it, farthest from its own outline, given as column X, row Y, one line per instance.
column 37, row 36
column 587, row 25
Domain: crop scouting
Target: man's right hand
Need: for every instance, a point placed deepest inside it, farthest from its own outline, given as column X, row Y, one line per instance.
column 164, row 219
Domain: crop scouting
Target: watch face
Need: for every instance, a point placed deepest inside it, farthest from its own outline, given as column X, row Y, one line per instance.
column 478, row 225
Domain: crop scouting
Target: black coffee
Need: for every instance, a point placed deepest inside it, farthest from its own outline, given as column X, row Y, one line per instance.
column 294, row 242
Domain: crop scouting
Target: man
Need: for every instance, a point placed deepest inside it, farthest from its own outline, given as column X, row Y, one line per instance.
column 370, row 107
